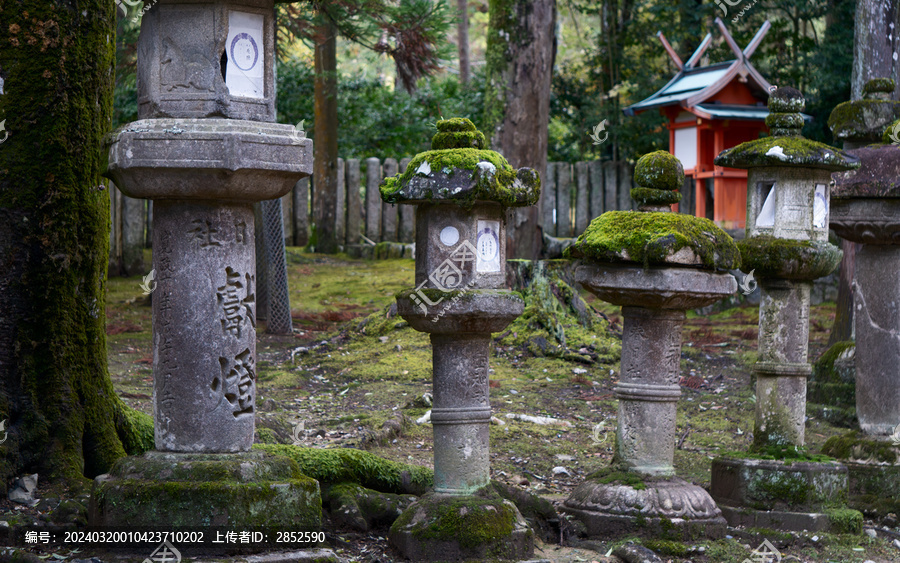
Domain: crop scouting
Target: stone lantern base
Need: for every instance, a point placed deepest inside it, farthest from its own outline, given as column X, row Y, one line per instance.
column 784, row 494
column 461, row 528
column 659, row 507
column 190, row 490
column 873, row 468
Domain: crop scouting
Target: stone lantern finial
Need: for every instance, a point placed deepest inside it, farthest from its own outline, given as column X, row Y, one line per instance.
column 786, row 105
column 879, row 89
column 658, row 175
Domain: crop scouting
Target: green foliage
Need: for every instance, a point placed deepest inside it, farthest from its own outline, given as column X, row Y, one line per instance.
column 376, row 120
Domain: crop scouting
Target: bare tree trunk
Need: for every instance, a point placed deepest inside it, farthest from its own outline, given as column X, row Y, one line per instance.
column 61, row 414
column 462, row 38
column 325, row 142
column 875, row 42
column 521, row 47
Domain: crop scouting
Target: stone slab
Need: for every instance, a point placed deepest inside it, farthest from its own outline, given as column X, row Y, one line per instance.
column 777, row 519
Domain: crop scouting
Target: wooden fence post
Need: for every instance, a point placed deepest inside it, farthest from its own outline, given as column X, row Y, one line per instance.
column 582, row 197
column 595, row 173
column 407, row 213
column 300, row 195
column 563, row 199
column 340, row 202
column 354, row 202
column 373, row 199
column 548, row 194
column 389, row 212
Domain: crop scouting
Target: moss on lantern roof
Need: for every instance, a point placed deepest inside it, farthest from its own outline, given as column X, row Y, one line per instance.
column 659, row 170
column 458, row 170
column 782, row 258
column 885, row 85
column 652, row 238
column 786, row 151
column 651, row 196
column 862, row 119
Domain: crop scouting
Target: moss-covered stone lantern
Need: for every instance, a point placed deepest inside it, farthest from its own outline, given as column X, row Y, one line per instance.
column 205, row 149
column 656, row 265
column 865, row 209
column 788, row 190
column 461, row 192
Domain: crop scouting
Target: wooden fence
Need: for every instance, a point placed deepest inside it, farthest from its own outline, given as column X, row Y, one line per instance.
column 571, row 195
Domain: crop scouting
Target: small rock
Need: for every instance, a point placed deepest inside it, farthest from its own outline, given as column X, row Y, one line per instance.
column 269, row 405
column 815, row 538
column 27, row 482
column 579, row 371
column 497, row 422
column 632, row 553
column 564, row 457
column 871, row 533
column 560, row 470
column 383, row 339
column 896, row 543
column 519, row 480
column 424, row 419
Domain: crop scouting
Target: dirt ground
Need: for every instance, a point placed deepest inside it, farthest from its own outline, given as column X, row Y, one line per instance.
column 335, row 384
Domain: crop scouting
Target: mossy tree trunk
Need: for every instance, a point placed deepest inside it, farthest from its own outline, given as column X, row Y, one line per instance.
column 325, row 142
column 521, row 47
column 64, row 420
column 462, row 40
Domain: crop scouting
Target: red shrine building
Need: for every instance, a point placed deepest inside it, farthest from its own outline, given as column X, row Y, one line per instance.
column 710, row 109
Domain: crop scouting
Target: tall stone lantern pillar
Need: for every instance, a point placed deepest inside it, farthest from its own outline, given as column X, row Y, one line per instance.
column 788, row 191
column 462, row 193
column 865, row 208
column 655, row 264
column 204, row 150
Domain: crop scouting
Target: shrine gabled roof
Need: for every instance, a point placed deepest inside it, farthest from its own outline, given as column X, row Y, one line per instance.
column 693, row 86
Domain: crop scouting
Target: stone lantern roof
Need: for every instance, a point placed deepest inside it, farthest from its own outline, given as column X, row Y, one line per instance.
column 786, row 147
column 863, row 121
column 460, row 170
column 654, row 235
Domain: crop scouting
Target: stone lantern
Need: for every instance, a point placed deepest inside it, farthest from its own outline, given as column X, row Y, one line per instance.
column 205, row 149
column 462, row 193
column 865, row 209
column 788, row 190
column 655, row 264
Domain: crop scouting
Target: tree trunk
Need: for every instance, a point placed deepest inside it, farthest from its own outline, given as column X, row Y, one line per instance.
column 521, row 46
column 62, row 416
column 462, row 40
column 875, row 41
column 325, row 142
